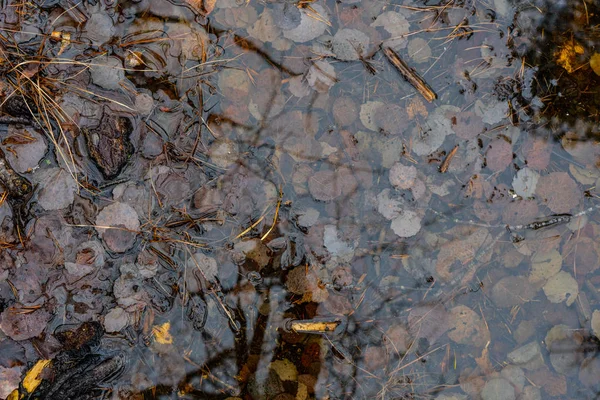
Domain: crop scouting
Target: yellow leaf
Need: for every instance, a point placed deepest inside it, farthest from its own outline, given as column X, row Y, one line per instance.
column 14, row 395
column 595, row 63
column 161, row 333
column 33, row 379
column 566, row 57
column 307, row 326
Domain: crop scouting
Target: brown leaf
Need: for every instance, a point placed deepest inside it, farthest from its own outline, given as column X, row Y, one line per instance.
column 499, row 155
column 466, row 327
column 19, row 323
column 512, row 291
column 537, row 153
column 428, row 321
column 460, row 251
column 559, row 191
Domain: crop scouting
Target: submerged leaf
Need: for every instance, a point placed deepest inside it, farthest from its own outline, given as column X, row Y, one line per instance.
column 161, row 333
column 562, row 287
column 407, row 224
column 428, row 321
column 467, row 327
column 559, row 191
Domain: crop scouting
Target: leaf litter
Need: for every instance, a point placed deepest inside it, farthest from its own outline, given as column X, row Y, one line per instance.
column 319, row 199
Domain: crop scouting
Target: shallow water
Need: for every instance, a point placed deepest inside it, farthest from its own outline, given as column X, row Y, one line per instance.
column 248, row 200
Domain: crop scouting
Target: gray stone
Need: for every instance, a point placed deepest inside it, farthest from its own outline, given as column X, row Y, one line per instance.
column 498, row 389
column 528, row 356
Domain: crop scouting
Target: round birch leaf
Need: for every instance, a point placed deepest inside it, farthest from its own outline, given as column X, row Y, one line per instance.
column 562, row 287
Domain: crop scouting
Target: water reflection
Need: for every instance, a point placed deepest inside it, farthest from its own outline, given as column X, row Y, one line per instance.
column 275, row 166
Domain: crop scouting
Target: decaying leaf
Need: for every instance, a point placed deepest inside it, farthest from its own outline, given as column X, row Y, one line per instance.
column 499, row 155
column 545, row 265
column 460, row 251
column 407, row 224
column 559, row 191
column 403, row 176
column 595, row 63
column 467, row 327
column 312, row 24
column 367, row 114
column 512, row 291
column 20, row 323
column 428, row 321
column 562, row 287
column 305, row 282
column 350, row 44
column 568, row 54
column 161, row 333
column 323, row 186
column 525, row 182
column 429, row 137
column 321, row 76
column 396, row 25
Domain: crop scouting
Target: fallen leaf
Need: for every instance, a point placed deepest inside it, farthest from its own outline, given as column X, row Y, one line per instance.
column 32, row 378
column 467, row 327
column 499, row 155
column 407, row 224
column 545, row 265
column 428, row 321
column 323, row 186
column 595, row 63
column 512, row 291
column 525, row 182
column 161, row 333
column 562, row 287
column 403, row 176
column 350, row 44
column 567, row 55
column 559, row 191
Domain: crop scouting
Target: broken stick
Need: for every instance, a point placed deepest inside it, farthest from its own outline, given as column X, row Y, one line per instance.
column 410, row 75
